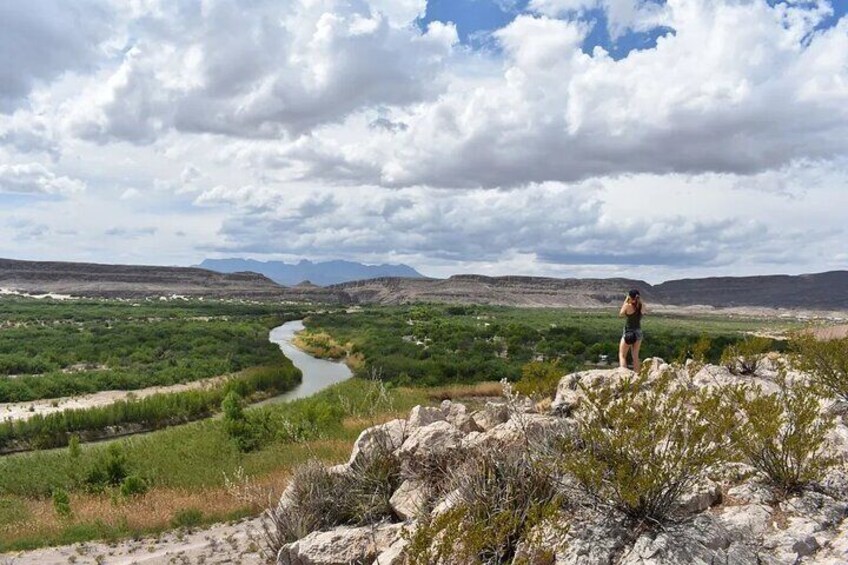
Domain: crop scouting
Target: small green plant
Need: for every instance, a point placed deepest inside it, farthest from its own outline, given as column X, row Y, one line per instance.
column 237, row 425
column 782, row 434
column 539, row 379
column 134, row 485
column 744, row 357
column 62, row 503
column 825, row 361
column 187, row 518
column 74, row 449
column 640, row 445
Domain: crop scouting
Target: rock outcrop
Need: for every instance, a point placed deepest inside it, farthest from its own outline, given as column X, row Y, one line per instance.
column 730, row 518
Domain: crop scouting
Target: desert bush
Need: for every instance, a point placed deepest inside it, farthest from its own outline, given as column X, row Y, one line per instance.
column 109, row 470
column 319, row 498
column 782, row 434
column 744, row 357
column 236, row 424
column 499, row 498
column 640, row 445
column 825, row 361
column 187, row 518
column 539, row 378
column 134, row 485
column 62, row 503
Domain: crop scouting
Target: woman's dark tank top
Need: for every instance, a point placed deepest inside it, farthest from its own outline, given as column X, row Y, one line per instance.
column 634, row 320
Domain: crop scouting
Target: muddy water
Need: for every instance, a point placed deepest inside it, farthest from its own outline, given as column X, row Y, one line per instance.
column 318, row 374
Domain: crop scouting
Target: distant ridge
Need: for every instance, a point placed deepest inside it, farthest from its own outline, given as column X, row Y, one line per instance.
column 135, row 281
column 322, row 274
column 827, row 291
column 821, row 291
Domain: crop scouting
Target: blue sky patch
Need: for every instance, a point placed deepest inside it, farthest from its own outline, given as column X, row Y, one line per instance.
column 476, row 19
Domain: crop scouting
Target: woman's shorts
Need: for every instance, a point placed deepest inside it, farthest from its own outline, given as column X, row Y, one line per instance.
column 638, row 334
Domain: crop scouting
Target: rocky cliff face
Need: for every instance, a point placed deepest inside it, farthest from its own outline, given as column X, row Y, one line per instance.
column 820, row 291
column 729, row 516
column 503, row 291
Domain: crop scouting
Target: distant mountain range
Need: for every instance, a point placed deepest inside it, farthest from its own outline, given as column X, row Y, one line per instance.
column 322, row 274
column 139, row 281
column 822, row 291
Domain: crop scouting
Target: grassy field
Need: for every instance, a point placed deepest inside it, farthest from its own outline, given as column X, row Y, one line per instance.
column 438, row 344
column 185, row 468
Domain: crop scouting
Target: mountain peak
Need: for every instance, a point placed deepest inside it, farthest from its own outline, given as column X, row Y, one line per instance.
column 320, row 273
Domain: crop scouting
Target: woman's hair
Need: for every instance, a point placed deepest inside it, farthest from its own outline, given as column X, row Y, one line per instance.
column 633, row 297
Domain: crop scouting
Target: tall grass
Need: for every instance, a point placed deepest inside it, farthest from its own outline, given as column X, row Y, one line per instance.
column 149, row 413
column 186, row 465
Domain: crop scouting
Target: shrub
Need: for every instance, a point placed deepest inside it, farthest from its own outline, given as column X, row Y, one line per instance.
column 825, row 361
column 236, row 424
column 187, row 518
column 312, row 503
column 539, row 378
column 134, row 486
column 744, row 357
column 639, row 446
column 782, row 434
column 109, row 470
column 319, row 498
column 62, row 502
column 499, row 498
column 74, row 450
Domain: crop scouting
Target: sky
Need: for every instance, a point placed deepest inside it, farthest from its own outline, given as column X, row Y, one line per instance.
column 570, row 138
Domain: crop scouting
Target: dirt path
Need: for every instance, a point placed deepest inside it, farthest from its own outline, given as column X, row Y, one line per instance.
column 237, row 543
column 26, row 410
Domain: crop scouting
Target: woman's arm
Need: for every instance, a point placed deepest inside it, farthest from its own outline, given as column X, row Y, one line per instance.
column 623, row 312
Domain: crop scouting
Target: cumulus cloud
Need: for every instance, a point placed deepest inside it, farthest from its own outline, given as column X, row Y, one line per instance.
column 555, row 223
column 341, row 128
column 35, row 178
column 737, row 87
column 26, row 133
column 263, row 71
column 41, row 40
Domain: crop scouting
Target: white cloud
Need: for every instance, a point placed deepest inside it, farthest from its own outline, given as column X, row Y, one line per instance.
column 622, row 15
column 41, row 40
column 337, row 128
column 291, row 66
column 35, row 178
column 738, row 87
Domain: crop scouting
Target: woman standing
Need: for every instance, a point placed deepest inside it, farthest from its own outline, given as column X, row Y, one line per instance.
column 631, row 339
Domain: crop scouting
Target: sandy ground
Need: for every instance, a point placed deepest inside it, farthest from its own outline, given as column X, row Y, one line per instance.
column 237, row 543
column 26, row 410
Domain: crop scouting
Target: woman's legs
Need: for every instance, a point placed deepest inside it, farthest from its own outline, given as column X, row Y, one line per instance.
column 634, row 353
column 622, row 353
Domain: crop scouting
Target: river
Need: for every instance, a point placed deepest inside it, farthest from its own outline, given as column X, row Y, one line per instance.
column 318, row 374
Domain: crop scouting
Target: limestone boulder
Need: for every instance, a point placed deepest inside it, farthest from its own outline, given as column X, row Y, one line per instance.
column 409, row 499
column 429, row 445
column 699, row 497
column 569, row 393
column 458, row 415
column 421, row 416
column 389, row 436
column 341, row 546
column 491, row 415
column 517, row 431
